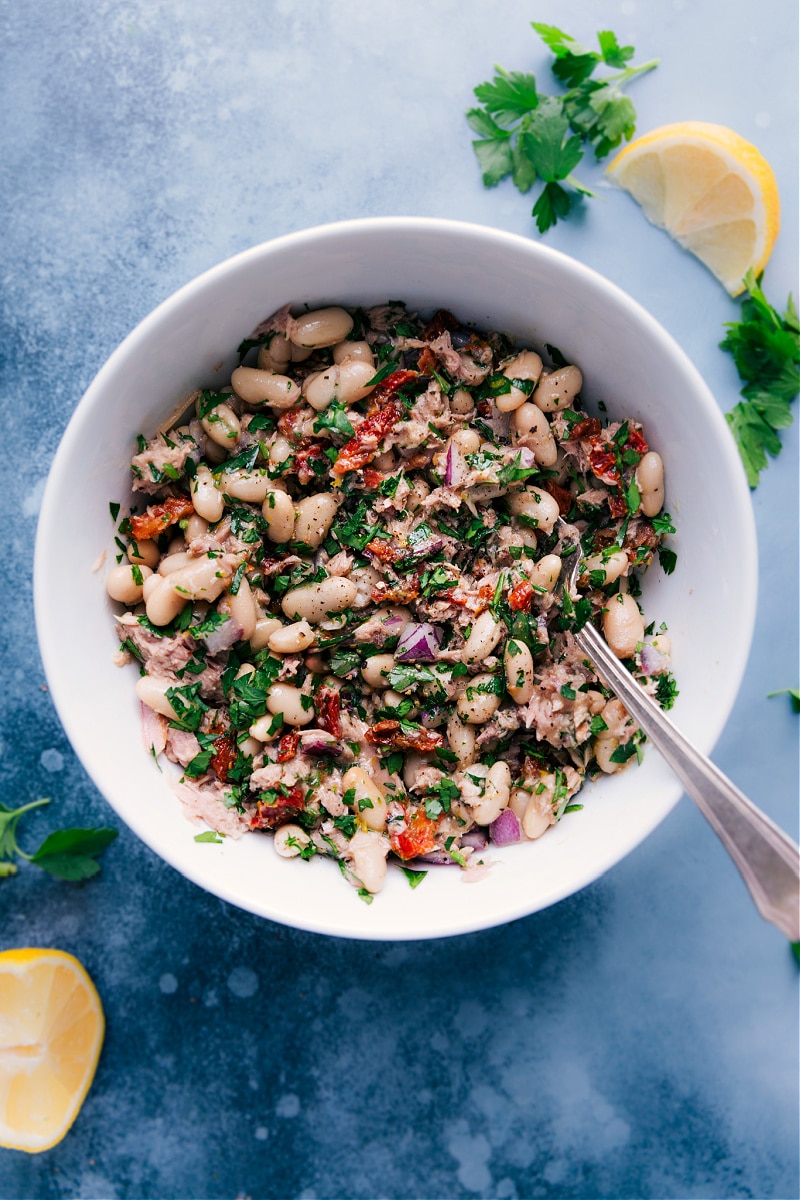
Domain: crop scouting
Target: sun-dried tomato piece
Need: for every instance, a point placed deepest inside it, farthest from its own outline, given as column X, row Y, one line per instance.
column 288, row 421
column 520, row 598
column 384, row 551
column 403, row 593
column 588, row 427
column 563, row 498
column 287, row 746
column 303, row 459
column 372, row 479
column 636, row 441
column 442, row 321
column 159, row 517
column 618, row 504
column 280, row 812
column 603, row 462
column 224, row 756
column 418, row 837
column 426, row 361
column 384, row 413
column 389, row 733
column 327, row 704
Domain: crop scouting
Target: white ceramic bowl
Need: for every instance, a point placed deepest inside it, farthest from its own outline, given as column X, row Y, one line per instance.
column 498, row 281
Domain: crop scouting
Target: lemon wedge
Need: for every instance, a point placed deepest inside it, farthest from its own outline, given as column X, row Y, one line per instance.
column 51, row 1032
column 711, row 190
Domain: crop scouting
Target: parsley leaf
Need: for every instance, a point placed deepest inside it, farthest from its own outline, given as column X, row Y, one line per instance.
column 536, row 138
column 66, row 853
column 766, row 349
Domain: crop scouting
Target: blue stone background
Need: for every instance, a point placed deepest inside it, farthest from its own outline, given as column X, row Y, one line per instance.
column 637, row 1040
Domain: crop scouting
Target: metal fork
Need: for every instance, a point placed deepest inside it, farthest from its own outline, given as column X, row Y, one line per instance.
column 767, row 858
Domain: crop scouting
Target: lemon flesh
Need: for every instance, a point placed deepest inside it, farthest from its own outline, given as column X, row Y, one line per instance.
column 51, row 1033
column 711, row 190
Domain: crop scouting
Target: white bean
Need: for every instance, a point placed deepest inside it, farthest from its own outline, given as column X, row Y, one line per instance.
column 242, row 608
column 323, row 327
column 461, row 402
column 538, row 815
column 358, row 350
column 196, row 527
column 546, row 572
column 250, row 486
column 205, row 578
column 612, row 565
column 265, row 627
column 265, row 728
column 152, row 581
column 461, row 740
column 650, row 481
column 277, row 355
column 375, row 670
column 278, row 511
column 171, row 562
column 280, row 450
column 530, row 423
column 527, row 365
column 479, row 700
column 222, row 425
column 623, row 625
column 518, row 666
column 536, row 506
column 313, row 518
column 557, row 389
column 265, row 387
column 466, row 440
column 293, row 705
column 344, row 382
column 145, row 553
column 369, row 801
column 290, row 840
column 291, row 639
column 163, row 603
column 153, row 692
column 314, row 601
column 604, row 746
column 496, row 792
column 367, row 850
column 126, row 582
column 206, row 496
column 484, row 636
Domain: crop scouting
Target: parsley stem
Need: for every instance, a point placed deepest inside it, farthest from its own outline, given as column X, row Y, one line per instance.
column 630, row 72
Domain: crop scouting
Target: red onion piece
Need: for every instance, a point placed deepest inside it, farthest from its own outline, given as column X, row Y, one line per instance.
column 505, row 830
column 653, row 661
column 320, row 743
column 223, row 637
column 476, row 838
column 454, row 467
column 419, row 642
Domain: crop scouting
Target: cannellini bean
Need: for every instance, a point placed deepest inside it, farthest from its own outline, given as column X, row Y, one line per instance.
column 367, row 850
column 145, row 553
column 265, row 627
column 650, row 481
column 265, row 728
column 537, row 506
column 357, row 350
column 345, row 382
column 537, row 817
column 265, row 387
column 222, row 425
column 171, row 562
column 546, row 572
column 314, row 601
column 277, row 355
column 291, row 639
column 479, row 700
column 530, row 423
column 324, row 327
column 163, row 603
column 153, row 692
column 126, row 582
column 526, row 365
column 375, row 670
column 369, row 802
column 623, row 625
column 289, row 840
column 612, row 565
column 278, row 511
column 280, row 450
column 196, row 527
column 461, row 740
column 604, row 746
column 242, row 608
column 466, row 440
column 484, row 636
column 557, row 389
column 293, row 705
column 206, row 496
column 152, row 581
column 204, row 578
column 496, row 792
column 518, row 666
column 461, row 403
column 313, row 518
column 251, row 486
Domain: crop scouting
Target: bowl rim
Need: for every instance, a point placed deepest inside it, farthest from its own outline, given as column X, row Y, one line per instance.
column 402, row 225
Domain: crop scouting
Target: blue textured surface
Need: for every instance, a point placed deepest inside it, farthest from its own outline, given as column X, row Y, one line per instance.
column 637, row 1040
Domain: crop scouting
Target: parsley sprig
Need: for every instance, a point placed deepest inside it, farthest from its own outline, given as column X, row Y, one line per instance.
column 536, row 138
column 66, row 853
column 766, row 349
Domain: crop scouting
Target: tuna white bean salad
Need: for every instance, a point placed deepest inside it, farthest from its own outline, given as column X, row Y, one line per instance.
column 344, row 583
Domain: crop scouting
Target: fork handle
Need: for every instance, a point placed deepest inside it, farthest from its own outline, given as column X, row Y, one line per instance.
column 768, row 860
